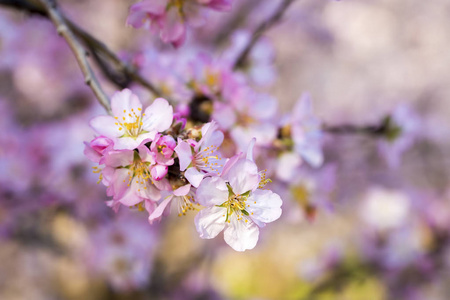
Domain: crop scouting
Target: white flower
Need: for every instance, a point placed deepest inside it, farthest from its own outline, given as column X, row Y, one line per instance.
column 236, row 204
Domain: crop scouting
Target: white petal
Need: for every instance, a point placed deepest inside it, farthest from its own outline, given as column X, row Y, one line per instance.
column 302, row 108
column 311, row 153
column 210, row 221
column 287, row 164
column 241, row 235
column 243, row 176
column 158, row 116
column 105, row 125
column 194, row 176
column 250, row 147
column 126, row 143
column 264, row 206
column 124, row 103
column 212, row 191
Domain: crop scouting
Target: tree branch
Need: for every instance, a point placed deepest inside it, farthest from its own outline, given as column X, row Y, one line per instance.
column 121, row 74
column 386, row 128
column 79, row 52
column 275, row 18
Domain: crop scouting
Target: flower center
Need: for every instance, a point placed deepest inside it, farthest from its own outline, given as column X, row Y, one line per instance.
column 236, row 204
column 139, row 172
column 185, row 203
column 132, row 128
column 207, row 160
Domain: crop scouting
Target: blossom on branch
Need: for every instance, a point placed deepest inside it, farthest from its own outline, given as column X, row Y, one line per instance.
column 128, row 126
column 236, row 203
column 170, row 18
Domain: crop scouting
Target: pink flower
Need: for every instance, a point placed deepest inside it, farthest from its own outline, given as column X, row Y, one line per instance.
column 129, row 177
column 170, row 17
column 128, row 127
column 162, row 148
column 183, row 197
column 94, row 151
column 236, row 204
column 200, row 159
column 246, row 115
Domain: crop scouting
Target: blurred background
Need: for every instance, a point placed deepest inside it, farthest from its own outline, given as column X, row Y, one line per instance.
column 372, row 223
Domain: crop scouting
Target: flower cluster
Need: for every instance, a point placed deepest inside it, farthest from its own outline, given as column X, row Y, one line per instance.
column 148, row 160
column 170, row 18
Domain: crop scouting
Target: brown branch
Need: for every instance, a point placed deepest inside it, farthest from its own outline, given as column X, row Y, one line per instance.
column 101, row 50
column 80, row 53
column 386, row 128
column 275, row 18
column 235, row 21
column 121, row 74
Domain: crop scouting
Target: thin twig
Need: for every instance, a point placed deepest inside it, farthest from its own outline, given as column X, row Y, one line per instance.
column 78, row 50
column 121, row 74
column 275, row 18
column 386, row 127
column 354, row 129
column 99, row 47
column 235, row 21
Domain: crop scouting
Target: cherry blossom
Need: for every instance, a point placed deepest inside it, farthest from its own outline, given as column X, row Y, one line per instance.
column 201, row 158
column 129, row 127
column 236, row 203
column 171, row 17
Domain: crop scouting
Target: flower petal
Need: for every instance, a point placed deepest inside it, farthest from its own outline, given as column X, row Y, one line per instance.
column 128, row 143
column 184, row 153
column 158, row 116
column 241, row 235
column 126, row 106
column 119, row 158
column 194, row 176
column 158, row 172
column 212, row 191
column 120, row 181
column 157, row 213
column 106, row 125
column 210, row 221
column 182, row 191
column 243, row 176
column 264, row 206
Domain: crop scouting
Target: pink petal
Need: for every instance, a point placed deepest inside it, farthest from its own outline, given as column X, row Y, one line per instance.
column 157, row 213
column 184, row 153
column 173, row 28
column 91, row 153
column 120, row 181
column 119, row 158
column 158, row 172
column 194, row 176
column 163, row 185
column 182, row 191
